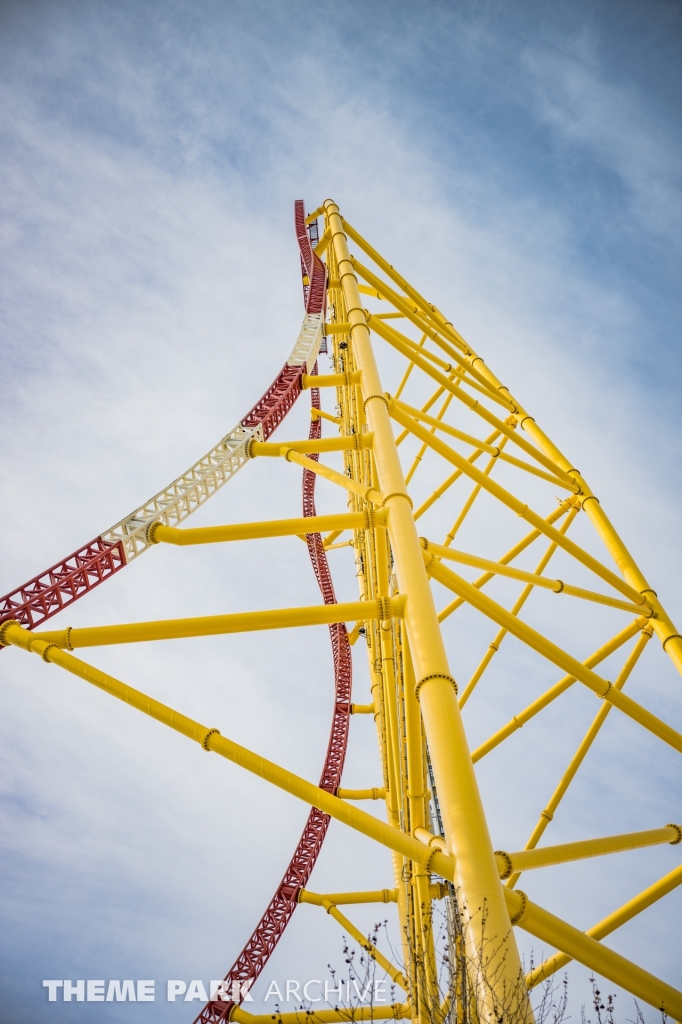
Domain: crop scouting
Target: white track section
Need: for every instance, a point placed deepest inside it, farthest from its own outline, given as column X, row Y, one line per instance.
column 185, row 494
column 307, row 347
column 177, row 501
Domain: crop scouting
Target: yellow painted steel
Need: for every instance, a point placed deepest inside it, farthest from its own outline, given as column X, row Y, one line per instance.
column 212, row 625
column 494, row 647
column 328, row 444
column 329, row 380
column 371, row 896
column 158, row 533
column 210, row 739
column 518, row 721
column 609, row 924
column 362, row 709
column 586, row 950
column 435, row 821
column 601, row 687
column 546, row 856
column 547, row 814
column 522, row 510
column 376, row 793
column 320, row 414
column 510, row 555
column 556, row 586
column 368, row 493
column 394, row 974
column 461, row 807
column 373, row 1011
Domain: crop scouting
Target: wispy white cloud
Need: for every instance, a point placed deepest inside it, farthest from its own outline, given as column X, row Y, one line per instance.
column 152, row 292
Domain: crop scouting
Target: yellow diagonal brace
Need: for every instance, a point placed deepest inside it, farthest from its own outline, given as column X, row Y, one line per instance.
column 392, row 1011
column 372, row 896
column 210, row 739
column 377, row 793
column 518, row 721
column 562, row 480
column 556, row 586
column 214, row 625
column 388, row 332
column 324, row 444
column 440, row 491
column 429, row 362
column 320, row 414
column 268, row 528
column 510, row 555
column 590, row 953
column 609, row 924
column 517, row 506
column 546, row 856
column 397, row 976
column 494, row 647
column 408, row 371
column 429, row 310
column 329, row 380
column 464, row 820
column 601, row 687
column 548, row 813
column 472, row 404
column 367, row 493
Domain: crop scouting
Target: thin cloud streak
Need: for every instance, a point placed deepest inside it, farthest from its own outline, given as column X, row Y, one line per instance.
column 152, row 293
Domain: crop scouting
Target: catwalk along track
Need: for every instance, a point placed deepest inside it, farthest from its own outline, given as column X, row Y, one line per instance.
column 390, row 533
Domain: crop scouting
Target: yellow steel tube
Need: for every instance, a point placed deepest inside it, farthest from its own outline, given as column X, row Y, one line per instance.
column 397, row 976
column 560, row 481
column 329, row 380
column 609, row 924
column 548, row 813
column 377, row 793
column 212, row 625
column 362, row 709
column 407, row 348
column 429, row 362
column 556, row 586
column 468, row 504
column 461, row 807
column 518, row 721
column 388, row 332
column 546, row 856
column 269, row 528
column 592, row 954
column 427, row 405
column 417, row 459
column 663, row 625
column 371, row 896
column 439, row 491
column 494, row 647
column 322, row 444
column 320, row 414
column 517, row 506
column 367, row 493
column 393, row 1011
column 210, row 739
column 411, row 367
column 429, row 310
column 601, row 687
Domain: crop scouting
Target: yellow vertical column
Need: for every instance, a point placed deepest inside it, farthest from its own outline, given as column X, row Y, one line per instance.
column 464, row 821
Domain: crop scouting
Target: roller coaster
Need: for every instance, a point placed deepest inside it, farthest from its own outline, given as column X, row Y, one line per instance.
column 433, row 820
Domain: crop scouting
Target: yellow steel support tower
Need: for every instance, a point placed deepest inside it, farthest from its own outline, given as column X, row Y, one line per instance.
column 434, row 823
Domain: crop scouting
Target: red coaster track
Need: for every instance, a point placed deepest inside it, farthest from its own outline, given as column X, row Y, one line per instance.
column 61, row 585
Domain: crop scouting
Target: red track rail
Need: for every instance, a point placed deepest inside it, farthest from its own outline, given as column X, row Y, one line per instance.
column 257, row 951
column 56, row 588
column 279, row 911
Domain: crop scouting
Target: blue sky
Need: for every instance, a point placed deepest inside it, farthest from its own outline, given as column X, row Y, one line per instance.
column 521, row 164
